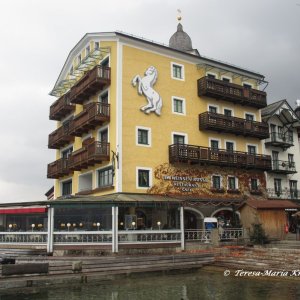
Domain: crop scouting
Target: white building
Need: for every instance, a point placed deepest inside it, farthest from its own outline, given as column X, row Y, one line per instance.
column 284, row 178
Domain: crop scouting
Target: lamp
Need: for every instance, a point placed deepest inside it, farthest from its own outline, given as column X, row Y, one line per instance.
column 32, row 226
column 68, row 225
column 133, row 224
column 158, row 224
column 98, row 225
column 10, row 227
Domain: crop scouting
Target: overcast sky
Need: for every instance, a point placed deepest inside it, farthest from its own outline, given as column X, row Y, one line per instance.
column 36, row 37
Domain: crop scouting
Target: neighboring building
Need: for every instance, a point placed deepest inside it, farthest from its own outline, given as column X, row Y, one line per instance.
column 137, row 119
column 284, row 178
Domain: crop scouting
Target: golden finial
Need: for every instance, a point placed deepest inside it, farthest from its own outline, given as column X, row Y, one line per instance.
column 179, row 15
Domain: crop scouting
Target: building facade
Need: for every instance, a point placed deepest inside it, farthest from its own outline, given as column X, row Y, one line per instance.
column 139, row 118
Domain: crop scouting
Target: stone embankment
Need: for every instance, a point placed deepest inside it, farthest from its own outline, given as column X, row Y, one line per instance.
column 63, row 270
column 258, row 258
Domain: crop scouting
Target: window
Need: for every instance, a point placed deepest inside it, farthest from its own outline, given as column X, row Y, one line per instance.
column 293, row 189
column 105, row 177
column 178, row 139
column 226, row 79
column 291, row 160
column 227, row 112
column 251, row 150
column 177, row 71
column 67, row 152
column 105, row 62
column 216, row 182
column 178, row 106
column 143, row 137
column 97, row 45
column 213, row 109
column 214, row 144
column 87, row 51
column 211, row 76
column 103, row 136
column 230, row 146
column 66, row 188
column 249, row 117
column 247, row 86
column 273, row 128
column 103, row 98
column 280, row 132
column 277, row 186
column 143, row 178
column 290, row 136
column 232, row 183
column 254, row 184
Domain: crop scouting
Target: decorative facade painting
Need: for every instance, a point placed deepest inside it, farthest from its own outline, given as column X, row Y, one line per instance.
column 145, row 87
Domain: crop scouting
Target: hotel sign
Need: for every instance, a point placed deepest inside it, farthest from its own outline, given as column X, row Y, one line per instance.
column 185, row 183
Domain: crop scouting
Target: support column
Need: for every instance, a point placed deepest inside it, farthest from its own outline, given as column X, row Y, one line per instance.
column 50, row 230
column 182, row 227
column 113, row 230
column 116, row 229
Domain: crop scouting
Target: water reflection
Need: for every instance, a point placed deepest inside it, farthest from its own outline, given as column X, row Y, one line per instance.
column 200, row 285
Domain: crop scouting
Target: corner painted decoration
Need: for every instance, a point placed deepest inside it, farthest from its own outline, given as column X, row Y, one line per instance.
column 145, row 86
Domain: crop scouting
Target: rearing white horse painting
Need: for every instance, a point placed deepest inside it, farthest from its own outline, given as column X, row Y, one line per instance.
column 145, row 86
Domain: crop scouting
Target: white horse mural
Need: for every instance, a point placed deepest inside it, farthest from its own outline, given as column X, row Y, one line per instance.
column 145, row 86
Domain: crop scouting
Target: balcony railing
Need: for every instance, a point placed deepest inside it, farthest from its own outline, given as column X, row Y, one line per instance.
column 93, row 115
column 203, row 155
column 284, row 193
column 222, row 123
column 93, row 81
column 280, row 140
column 283, row 167
column 58, row 168
column 231, row 92
column 89, row 155
column 60, row 137
column 61, row 107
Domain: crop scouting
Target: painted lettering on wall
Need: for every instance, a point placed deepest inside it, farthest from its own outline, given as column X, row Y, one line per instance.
column 185, row 183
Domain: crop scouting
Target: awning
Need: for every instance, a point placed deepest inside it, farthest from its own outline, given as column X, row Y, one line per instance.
column 22, row 210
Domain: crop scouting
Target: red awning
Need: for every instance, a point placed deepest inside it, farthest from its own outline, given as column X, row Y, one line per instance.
column 22, row 210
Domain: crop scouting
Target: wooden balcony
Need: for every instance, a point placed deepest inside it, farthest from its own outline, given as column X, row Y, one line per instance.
column 60, row 137
column 283, row 167
column 58, row 168
column 280, row 140
column 89, row 155
column 94, row 114
column 238, row 126
column 183, row 153
column 94, row 80
column 61, row 107
column 220, row 89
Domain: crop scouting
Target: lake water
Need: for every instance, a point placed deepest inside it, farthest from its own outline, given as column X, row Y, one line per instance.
column 201, row 285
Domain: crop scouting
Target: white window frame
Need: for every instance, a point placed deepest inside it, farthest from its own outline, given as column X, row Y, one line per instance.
column 226, row 77
column 213, row 105
column 137, row 177
column 137, row 136
column 214, row 139
column 97, row 176
column 103, row 128
column 212, row 73
column 105, row 58
column 86, row 173
column 66, row 148
column 255, row 145
column 221, row 181
column 250, row 113
column 61, row 185
column 179, row 133
column 258, row 183
column 228, row 108
column 182, row 71
column 230, row 141
column 236, row 181
column 183, row 106
column 107, row 90
column 248, row 83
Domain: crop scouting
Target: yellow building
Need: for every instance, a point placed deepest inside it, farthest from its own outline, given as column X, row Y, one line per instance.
column 138, row 119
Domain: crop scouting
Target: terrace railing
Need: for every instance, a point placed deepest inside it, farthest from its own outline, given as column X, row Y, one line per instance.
column 28, row 238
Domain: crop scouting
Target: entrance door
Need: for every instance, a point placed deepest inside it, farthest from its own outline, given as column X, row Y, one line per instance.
column 190, row 220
